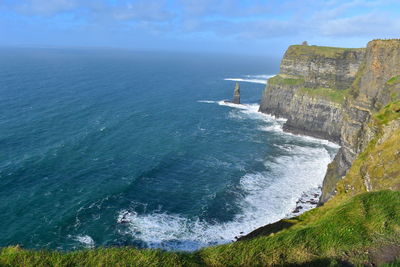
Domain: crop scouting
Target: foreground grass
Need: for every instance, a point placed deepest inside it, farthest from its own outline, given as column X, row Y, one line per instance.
column 350, row 230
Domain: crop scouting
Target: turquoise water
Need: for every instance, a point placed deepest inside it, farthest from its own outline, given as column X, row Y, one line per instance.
column 110, row 148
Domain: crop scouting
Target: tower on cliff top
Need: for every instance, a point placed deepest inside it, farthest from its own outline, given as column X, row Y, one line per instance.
column 236, row 94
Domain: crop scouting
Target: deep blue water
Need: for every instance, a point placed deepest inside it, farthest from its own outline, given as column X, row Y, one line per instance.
column 102, row 148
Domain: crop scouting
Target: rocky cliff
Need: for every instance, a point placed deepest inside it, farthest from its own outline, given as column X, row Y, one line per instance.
column 337, row 94
column 377, row 84
column 311, row 87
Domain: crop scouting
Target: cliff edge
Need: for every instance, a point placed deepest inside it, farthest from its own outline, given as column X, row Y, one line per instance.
column 311, row 87
column 336, row 94
column 374, row 92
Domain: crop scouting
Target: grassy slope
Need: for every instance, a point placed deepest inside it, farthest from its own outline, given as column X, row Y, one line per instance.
column 347, row 230
column 379, row 164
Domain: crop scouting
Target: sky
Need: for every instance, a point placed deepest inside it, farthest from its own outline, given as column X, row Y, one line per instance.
column 257, row 27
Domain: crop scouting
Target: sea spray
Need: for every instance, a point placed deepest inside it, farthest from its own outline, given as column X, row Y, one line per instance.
column 266, row 196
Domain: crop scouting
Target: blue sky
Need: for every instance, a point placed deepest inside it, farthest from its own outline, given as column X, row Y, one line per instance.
column 232, row 26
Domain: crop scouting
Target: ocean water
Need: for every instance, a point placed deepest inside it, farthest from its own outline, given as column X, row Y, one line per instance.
column 115, row 148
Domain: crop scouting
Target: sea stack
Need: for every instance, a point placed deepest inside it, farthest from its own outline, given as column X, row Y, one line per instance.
column 236, row 94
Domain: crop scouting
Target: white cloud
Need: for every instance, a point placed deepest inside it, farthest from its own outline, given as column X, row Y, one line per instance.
column 375, row 24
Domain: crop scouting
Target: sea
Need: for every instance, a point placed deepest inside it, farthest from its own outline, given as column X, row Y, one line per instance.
column 103, row 147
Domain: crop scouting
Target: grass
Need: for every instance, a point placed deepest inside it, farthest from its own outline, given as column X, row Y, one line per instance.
column 377, row 167
column 389, row 113
column 394, row 80
column 285, row 80
column 341, row 231
column 296, row 51
column 333, row 95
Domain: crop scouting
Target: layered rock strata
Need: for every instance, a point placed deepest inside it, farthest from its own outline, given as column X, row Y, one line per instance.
column 310, row 89
column 377, row 84
column 335, row 93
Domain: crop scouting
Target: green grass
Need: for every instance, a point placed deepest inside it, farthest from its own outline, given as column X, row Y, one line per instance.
column 333, row 95
column 341, row 231
column 394, row 80
column 388, row 113
column 329, row 94
column 285, row 80
column 296, row 51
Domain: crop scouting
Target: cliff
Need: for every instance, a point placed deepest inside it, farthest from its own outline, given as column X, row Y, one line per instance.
column 335, row 93
column 311, row 87
column 377, row 84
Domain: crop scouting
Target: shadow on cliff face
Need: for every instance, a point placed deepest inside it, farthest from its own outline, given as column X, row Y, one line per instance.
column 385, row 254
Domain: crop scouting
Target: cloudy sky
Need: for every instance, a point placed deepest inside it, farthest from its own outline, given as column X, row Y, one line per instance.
column 264, row 27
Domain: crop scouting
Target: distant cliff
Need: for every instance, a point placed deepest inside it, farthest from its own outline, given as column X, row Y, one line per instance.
column 311, row 87
column 336, row 94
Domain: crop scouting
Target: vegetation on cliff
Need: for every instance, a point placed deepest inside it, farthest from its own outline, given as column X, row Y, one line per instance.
column 332, row 95
column 285, row 80
column 297, row 51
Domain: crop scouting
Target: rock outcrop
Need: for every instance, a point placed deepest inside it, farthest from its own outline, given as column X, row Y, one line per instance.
column 236, row 94
column 336, row 94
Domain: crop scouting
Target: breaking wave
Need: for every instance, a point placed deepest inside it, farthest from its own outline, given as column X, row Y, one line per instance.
column 261, row 79
column 266, row 199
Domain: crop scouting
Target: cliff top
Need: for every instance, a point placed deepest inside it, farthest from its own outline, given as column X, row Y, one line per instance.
column 385, row 42
column 322, row 51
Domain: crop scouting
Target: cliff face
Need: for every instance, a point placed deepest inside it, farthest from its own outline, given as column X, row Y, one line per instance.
column 377, row 84
column 337, row 94
column 326, row 67
column 310, row 89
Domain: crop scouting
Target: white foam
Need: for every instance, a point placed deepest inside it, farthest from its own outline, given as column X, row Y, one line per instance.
column 317, row 140
column 268, row 196
column 272, row 128
column 86, row 240
column 266, row 200
column 261, row 79
column 252, row 111
column 206, row 101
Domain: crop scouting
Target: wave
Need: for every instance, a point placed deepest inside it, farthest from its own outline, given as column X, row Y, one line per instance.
column 85, row 240
column 261, row 79
column 265, row 199
column 206, row 101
